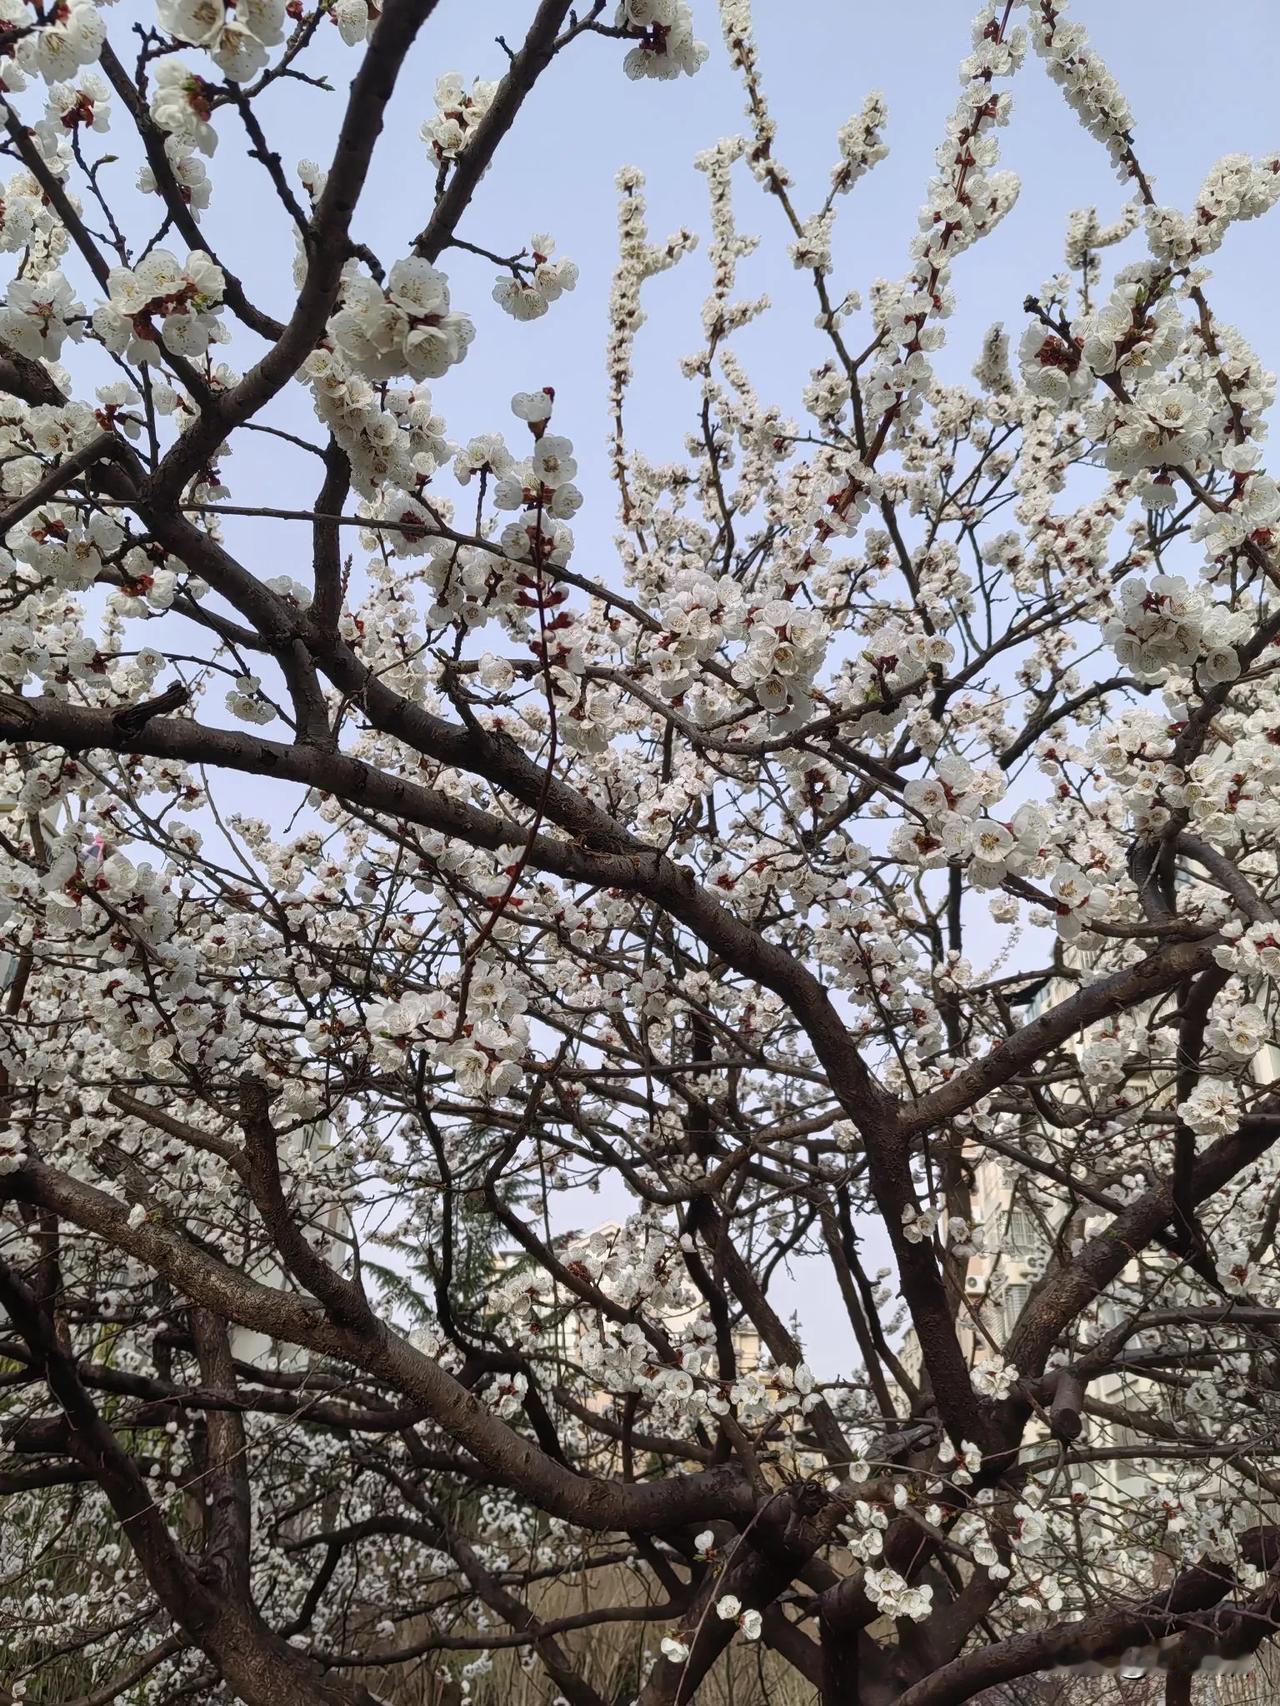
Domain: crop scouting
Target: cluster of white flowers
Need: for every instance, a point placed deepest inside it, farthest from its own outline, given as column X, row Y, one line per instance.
column 1168, row 424
column 66, row 38
column 861, row 143
column 971, row 1530
column 1130, row 335
column 1085, row 236
column 918, row 1227
column 392, row 435
column 481, row 1044
column 84, row 104
column 1087, row 83
column 181, row 107
column 959, row 1467
column 235, row 35
column 1229, row 794
column 406, row 327
column 1212, row 1109
column 892, row 1595
column 1074, row 891
column 39, row 315
column 1250, row 950
column 541, row 487
column 948, row 822
column 1148, row 418
column 458, row 111
column 1237, row 188
column 962, row 1238
column 245, row 701
column 638, row 260
column 1252, row 513
column 26, row 221
column 785, row 647
column 162, row 301
column 666, row 46
column 71, row 548
column 1052, row 366
column 1166, row 625
column 729, row 1609
column 528, row 293
column 892, row 668
column 994, row 1378
column 1238, row 1031
column 811, row 251
column 967, row 199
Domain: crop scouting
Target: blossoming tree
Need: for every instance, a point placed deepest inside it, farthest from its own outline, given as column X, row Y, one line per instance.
column 902, row 795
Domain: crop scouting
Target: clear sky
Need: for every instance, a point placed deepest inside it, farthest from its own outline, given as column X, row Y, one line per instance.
column 1201, row 81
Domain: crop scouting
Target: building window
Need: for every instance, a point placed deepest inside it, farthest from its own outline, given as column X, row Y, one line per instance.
column 1015, row 1297
column 1023, row 1232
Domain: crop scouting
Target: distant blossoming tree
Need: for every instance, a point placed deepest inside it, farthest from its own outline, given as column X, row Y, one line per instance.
column 903, row 796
